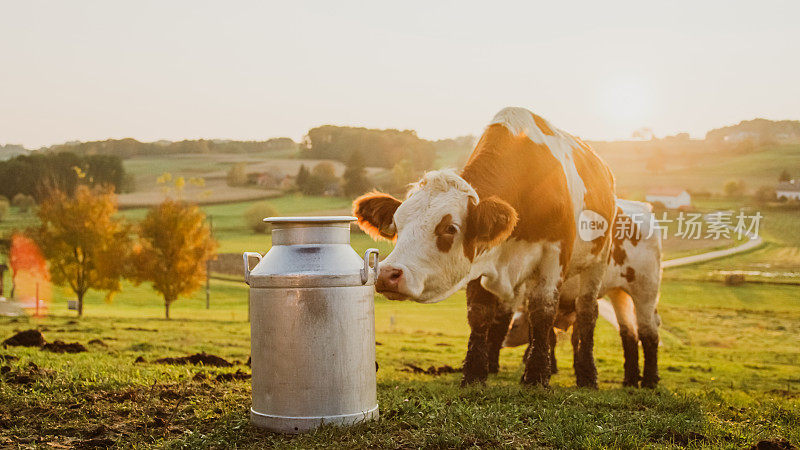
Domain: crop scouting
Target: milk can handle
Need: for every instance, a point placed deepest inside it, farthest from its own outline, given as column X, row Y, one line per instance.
column 365, row 269
column 246, row 256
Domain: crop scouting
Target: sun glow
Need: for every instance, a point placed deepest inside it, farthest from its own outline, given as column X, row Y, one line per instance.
column 627, row 102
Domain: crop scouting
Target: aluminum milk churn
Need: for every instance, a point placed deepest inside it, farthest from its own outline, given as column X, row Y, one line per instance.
column 312, row 327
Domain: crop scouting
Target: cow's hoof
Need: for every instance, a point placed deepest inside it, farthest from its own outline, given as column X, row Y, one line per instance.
column 471, row 381
column 535, row 380
column 630, row 383
column 589, row 384
column 650, row 384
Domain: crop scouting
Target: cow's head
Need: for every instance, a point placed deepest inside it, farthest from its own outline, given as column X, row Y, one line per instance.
column 439, row 230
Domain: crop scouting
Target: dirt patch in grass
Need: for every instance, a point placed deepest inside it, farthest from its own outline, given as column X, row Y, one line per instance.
column 98, row 342
column 198, row 358
column 23, row 376
column 64, row 347
column 773, row 444
column 27, row 338
column 238, row 375
column 431, row 370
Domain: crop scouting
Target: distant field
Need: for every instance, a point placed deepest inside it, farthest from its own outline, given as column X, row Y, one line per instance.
column 702, row 171
column 213, row 169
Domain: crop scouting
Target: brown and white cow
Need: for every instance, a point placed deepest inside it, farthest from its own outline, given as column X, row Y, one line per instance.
column 507, row 229
column 631, row 283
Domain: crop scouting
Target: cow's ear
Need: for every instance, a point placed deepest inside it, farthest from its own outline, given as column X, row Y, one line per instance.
column 489, row 222
column 375, row 213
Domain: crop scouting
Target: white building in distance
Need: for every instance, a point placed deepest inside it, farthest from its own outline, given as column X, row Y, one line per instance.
column 789, row 190
column 670, row 198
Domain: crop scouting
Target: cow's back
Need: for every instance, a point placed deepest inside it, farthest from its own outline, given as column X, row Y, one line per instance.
column 546, row 174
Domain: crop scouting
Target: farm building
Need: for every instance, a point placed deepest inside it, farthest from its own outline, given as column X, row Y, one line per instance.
column 669, row 197
column 789, row 190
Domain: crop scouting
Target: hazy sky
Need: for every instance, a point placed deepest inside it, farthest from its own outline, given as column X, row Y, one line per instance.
column 253, row 70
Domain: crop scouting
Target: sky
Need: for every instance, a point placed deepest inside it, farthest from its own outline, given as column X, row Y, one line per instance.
column 93, row 70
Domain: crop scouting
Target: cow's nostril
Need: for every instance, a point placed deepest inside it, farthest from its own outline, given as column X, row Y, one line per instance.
column 396, row 274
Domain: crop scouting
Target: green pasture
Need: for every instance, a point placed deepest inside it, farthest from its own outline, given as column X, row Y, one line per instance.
column 728, row 366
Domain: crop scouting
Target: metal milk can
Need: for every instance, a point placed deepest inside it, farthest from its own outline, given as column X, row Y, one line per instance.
column 312, row 327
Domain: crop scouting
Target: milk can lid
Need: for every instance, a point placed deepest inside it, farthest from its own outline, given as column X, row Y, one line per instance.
column 316, row 219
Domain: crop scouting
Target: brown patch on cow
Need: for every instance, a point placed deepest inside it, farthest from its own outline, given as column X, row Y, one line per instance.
column 625, row 229
column 529, row 178
column 489, row 222
column 629, row 274
column 375, row 213
column 445, row 233
column 542, row 124
column 618, row 253
column 599, row 197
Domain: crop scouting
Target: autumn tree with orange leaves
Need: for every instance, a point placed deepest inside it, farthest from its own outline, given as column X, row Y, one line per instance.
column 174, row 244
column 84, row 243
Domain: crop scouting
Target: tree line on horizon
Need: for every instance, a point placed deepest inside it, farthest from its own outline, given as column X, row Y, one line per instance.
column 129, row 147
column 38, row 173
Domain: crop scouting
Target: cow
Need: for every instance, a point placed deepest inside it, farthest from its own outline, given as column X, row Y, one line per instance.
column 507, row 228
column 631, row 283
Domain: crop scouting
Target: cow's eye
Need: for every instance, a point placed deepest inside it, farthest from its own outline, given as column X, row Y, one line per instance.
column 451, row 229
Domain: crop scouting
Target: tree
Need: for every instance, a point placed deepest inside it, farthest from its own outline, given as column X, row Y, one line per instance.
column 255, row 215
column 302, row 177
column 355, row 175
column 403, row 173
column 86, row 246
column 765, row 194
column 324, row 174
column 23, row 202
column 734, row 188
column 3, row 208
column 174, row 245
column 237, row 175
column 784, row 176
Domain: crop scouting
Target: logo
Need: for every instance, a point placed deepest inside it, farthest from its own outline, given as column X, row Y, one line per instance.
column 591, row 225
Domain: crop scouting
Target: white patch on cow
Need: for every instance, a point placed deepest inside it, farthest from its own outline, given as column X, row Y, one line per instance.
column 640, row 212
column 506, row 267
column 519, row 121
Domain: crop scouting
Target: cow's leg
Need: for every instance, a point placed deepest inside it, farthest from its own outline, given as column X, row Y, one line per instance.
column 648, row 322
column 481, row 307
column 497, row 333
column 624, row 310
column 585, row 321
column 553, row 341
column 541, row 302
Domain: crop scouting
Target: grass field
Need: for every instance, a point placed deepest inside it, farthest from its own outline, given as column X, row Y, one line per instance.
column 728, row 366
